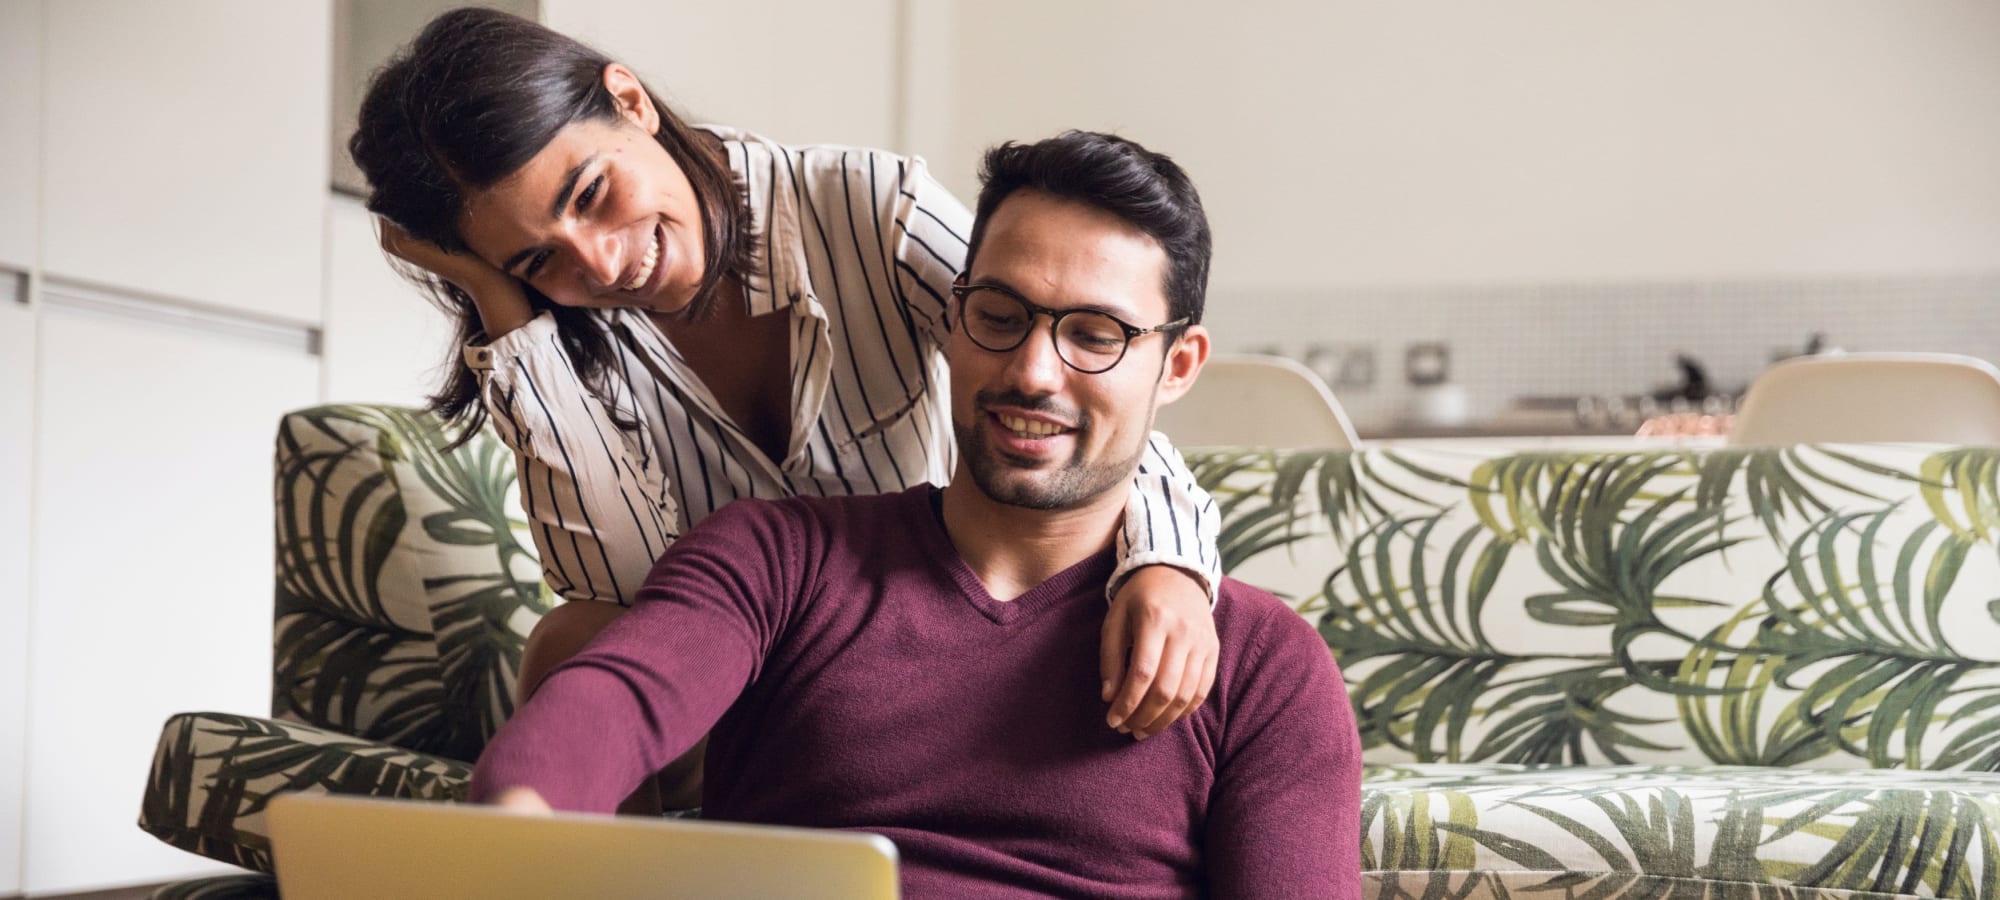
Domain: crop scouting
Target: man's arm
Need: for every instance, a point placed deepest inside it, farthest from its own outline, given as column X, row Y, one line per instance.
column 655, row 680
column 1284, row 819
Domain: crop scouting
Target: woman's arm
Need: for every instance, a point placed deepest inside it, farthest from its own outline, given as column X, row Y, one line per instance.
column 1159, row 650
column 926, row 233
column 597, row 502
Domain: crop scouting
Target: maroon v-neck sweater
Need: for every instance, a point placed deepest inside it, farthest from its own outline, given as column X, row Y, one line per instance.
column 858, row 675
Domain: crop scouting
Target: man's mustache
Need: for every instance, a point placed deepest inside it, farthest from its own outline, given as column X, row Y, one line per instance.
column 1043, row 404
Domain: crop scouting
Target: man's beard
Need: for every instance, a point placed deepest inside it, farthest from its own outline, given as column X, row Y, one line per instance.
column 1070, row 484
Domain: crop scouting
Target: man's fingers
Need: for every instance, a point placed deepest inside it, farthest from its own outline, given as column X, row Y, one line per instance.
column 1116, row 642
column 522, row 799
column 1147, row 648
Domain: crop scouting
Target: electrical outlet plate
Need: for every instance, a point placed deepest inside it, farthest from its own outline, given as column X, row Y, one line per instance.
column 1343, row 365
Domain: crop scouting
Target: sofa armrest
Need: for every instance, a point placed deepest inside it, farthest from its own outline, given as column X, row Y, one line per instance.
column 213, row 773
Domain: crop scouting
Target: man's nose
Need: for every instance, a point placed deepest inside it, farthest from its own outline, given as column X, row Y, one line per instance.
column 1035, row 366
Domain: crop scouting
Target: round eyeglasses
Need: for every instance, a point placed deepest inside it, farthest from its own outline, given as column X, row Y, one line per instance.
column 1086, row 340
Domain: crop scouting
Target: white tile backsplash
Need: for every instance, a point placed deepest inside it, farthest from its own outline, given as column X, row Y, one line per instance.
column 1509, row 341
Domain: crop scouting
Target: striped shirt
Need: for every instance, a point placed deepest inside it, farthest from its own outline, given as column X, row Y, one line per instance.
column 858, row 250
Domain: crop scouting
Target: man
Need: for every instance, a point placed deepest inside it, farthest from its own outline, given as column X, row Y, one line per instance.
column 885, row 663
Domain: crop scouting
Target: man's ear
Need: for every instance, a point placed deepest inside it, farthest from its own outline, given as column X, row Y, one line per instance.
column 1184, row 361
column 629, row 93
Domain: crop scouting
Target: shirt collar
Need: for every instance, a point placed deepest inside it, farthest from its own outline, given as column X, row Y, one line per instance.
column 778, row 259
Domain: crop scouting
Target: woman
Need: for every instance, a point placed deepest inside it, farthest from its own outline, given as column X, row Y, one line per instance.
column 661, row 319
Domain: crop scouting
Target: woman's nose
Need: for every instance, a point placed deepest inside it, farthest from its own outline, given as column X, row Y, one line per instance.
column 600, row 259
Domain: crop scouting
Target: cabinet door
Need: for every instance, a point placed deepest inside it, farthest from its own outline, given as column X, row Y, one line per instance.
column 189, row 155
column 20, row 133
column 152, row 568
column 17, row 399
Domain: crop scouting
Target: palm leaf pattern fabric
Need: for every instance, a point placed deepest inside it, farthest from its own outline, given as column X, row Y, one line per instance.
column 406, row 586
column 404, row 592
column 1683, row 673
column 1712, row 672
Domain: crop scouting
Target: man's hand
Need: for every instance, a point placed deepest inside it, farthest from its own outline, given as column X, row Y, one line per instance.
column 521, row 799
column 1160, row 622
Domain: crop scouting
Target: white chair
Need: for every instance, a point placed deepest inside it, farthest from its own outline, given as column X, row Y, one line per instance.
column 1257, row 401
column 1872, row 397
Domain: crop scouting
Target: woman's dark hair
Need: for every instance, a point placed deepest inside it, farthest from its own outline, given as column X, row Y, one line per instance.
column 1122, row 178
column 471, row 101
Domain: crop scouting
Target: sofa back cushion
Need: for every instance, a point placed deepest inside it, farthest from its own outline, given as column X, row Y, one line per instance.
column 1834, row 606
column 405, row 584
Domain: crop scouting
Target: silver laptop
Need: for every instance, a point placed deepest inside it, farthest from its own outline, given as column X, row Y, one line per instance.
column 355, row 848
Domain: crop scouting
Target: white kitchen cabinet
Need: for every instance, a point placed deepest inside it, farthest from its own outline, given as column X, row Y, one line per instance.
column 186, row 150
column 152, row 566
column 17, row 399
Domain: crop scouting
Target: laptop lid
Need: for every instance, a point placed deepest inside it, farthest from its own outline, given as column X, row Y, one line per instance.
column 341, row 848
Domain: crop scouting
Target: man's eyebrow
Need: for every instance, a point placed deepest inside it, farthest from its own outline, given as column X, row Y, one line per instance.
column 563, row 194
column 1116, row 312
column 992, row 281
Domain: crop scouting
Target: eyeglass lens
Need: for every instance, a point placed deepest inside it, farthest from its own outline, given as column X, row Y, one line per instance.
column 1089, row 341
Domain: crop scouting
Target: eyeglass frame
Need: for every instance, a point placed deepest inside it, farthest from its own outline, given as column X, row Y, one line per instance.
column 960, row 287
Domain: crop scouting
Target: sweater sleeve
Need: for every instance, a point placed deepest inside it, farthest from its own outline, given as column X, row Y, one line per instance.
column 661, row 675
column 595, row 497
column 1285, row 816
column 1169, row 520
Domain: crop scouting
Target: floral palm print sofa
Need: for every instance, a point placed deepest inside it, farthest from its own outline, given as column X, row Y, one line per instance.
column 1699, row 673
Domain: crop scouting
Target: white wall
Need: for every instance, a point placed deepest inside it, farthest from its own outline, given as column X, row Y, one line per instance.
column 1564, row 192
column 383, row 342
column 1360, row 143
column 20, row 140
column 796, row 71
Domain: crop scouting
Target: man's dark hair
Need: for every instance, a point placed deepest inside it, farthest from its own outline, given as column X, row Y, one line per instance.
column 1122, row 178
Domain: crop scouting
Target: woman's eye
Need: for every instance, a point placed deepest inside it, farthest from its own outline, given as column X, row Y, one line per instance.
column 589, row 193
column 535, row 265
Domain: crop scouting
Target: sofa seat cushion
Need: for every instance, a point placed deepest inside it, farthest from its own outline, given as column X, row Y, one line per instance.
column 1470, row 830
column 213, row 773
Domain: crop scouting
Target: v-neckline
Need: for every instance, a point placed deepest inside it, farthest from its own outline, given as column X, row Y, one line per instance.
column 1093, row 571
column 691, row 380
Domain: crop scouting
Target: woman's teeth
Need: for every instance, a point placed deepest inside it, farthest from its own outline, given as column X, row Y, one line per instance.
column 1030, row 427
column 646, row 267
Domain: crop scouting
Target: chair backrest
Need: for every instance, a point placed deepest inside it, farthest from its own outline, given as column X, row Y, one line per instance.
column 405, row 589
column 1251, row 400
column 1872, row 397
